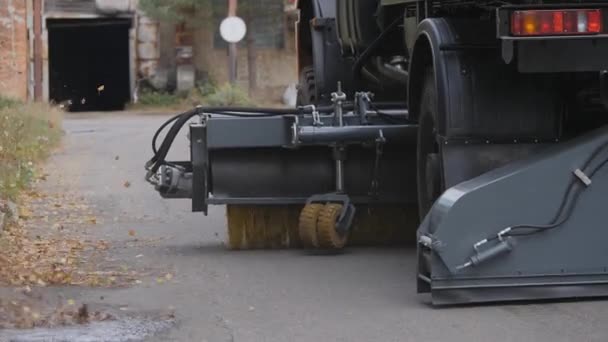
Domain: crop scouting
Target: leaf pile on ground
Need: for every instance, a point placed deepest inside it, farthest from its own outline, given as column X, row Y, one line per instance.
column 28, row 133
column 26, row 309
column 44, row 261
column 35, row 251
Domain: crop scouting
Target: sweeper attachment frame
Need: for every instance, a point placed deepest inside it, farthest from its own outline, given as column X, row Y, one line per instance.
column 532, row 229
column 328, row 171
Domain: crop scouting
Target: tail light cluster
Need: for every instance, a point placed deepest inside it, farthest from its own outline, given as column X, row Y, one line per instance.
column 556, row 22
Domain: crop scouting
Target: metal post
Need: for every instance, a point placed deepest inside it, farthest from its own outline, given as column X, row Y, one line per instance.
column 232, row 63
column 38, row 67
column 200, row 166
column 338, row 97
column 232, row 48
column 339, row 151
column 339, row 171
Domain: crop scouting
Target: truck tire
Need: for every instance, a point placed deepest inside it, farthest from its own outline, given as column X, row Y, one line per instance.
column 307, row 91
column 430, row 183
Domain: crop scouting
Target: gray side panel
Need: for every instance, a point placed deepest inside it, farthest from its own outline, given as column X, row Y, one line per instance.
column 526, row 192
column 465, row 161
column 250, row 132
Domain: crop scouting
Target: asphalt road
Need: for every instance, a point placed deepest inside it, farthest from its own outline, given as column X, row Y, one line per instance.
column 221, row 295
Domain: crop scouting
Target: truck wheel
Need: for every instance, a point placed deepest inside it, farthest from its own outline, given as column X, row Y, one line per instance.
column 307, row 91
column 430, row 184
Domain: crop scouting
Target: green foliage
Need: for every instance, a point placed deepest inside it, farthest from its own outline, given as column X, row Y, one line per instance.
column 228, row 95
column 205, row 93
column 6, row 102
column 206, row 88
column 28, row 132
column 175, row 10
column 188, row 10
column 158, row 99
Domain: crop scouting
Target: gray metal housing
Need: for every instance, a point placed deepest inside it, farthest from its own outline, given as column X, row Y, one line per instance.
column 257, row 161
column 570, row 260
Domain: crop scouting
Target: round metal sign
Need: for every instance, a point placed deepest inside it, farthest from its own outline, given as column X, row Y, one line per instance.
column 233, row 29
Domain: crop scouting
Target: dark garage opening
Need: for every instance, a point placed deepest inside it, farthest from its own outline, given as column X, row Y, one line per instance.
column 89, row 63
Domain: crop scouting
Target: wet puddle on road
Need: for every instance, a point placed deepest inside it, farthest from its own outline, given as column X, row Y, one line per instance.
column 122, row 330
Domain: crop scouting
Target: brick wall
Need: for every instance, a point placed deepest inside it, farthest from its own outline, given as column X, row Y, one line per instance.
column 13, row 48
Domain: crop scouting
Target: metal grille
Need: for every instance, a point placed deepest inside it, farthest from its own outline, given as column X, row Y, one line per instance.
column 78, row 6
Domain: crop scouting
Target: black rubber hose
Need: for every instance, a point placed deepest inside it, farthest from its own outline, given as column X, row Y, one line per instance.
column 367, row 53
column 237, row 111
column 386, row 117
column 181, row 119
column 569, row 200
column 162, row 152
column 160, row 129
column 265, row 112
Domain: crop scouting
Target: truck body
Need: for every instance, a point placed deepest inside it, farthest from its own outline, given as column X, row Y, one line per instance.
column 486, row 118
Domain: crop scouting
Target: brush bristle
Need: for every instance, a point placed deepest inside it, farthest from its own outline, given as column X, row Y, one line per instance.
column 276, row 227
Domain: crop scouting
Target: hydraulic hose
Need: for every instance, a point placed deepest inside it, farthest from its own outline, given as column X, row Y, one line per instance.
column 178, row 121
column 595, row 162
column 367, row 53
column 569, row 200
column 181, row 119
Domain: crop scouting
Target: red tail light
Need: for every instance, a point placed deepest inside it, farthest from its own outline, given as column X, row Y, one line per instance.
column 556, row 22
column 594, row 21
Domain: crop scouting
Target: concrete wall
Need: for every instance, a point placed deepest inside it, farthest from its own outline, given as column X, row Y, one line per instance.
column 148, row 52
column 143, row 36
column 13, row 49
column 276, row 67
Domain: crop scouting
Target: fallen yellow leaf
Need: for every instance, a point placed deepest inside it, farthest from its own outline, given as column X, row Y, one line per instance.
column 24, row 213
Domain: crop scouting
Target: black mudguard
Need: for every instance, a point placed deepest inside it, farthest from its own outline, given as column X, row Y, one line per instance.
column 488, row 113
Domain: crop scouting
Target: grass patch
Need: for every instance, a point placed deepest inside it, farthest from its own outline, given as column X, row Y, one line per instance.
column 28, row 132
column 228, row 95
column 7, row 102
column 205, row 94
column 159, row 99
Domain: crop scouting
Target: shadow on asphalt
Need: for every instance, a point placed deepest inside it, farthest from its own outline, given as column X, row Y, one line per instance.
column 219, row 248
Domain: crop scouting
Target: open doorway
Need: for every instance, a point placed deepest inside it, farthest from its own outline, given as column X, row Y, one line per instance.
column 89, row 63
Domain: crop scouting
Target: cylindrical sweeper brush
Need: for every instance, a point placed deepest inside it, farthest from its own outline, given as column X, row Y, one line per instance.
column 275, row 227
